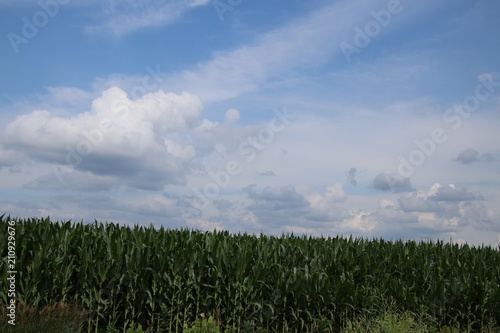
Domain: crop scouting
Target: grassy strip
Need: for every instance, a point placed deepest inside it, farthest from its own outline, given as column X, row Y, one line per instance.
column 399, row 322
column 68, row 318
column 60, row 318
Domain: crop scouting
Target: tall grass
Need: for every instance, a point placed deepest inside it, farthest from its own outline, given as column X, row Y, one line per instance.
column 164, row 279
column 60, row 318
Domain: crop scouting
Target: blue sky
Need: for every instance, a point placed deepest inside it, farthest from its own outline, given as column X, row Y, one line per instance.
column 366, row 118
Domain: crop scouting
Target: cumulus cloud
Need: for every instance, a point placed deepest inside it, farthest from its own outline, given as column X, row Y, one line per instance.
column 300, row 207
column 138, row 142
column 446, row 208
column 152, row 141
column 276, row 206
column 10, row 157
column 392, row 182
column 358, row 221
column 325, row 203
column 413, row 216
column 452, row 193
column 417, row 215
column 415, row 203
column 351, row 178
column 468, row 156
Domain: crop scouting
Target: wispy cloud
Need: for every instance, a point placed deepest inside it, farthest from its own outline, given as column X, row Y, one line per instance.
column 272, row 57
column 121, row 17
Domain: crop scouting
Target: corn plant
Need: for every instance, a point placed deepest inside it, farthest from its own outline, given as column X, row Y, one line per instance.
column 164, row 279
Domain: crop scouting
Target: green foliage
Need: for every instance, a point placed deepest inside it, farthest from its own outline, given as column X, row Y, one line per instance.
column 133, row 329
column 406, row 322
column 389, row 322
column 394, row 323
column 202, row 325
column 164, row 279
column 446, row 329
column 207, row 325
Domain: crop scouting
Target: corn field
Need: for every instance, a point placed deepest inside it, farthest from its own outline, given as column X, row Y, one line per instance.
column 164, row 278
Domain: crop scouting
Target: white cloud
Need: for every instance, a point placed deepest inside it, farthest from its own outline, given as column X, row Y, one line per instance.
column 298, row 208
column 392, row 182
column 121, row 17
column 10, row 158
column 138, row 142
column 273, row 55
column 157, row 205
column 448, row 207
column 65, row 96
column 468, row 156
column 415, row 203
column 273, row 58
column 452, row 193
column 231, row 116
column 196, row 3
column 358, row 222
column 416, row 216
column 325, row 204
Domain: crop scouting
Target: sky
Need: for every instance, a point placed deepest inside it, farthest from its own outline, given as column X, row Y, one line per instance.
column 373, row 118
